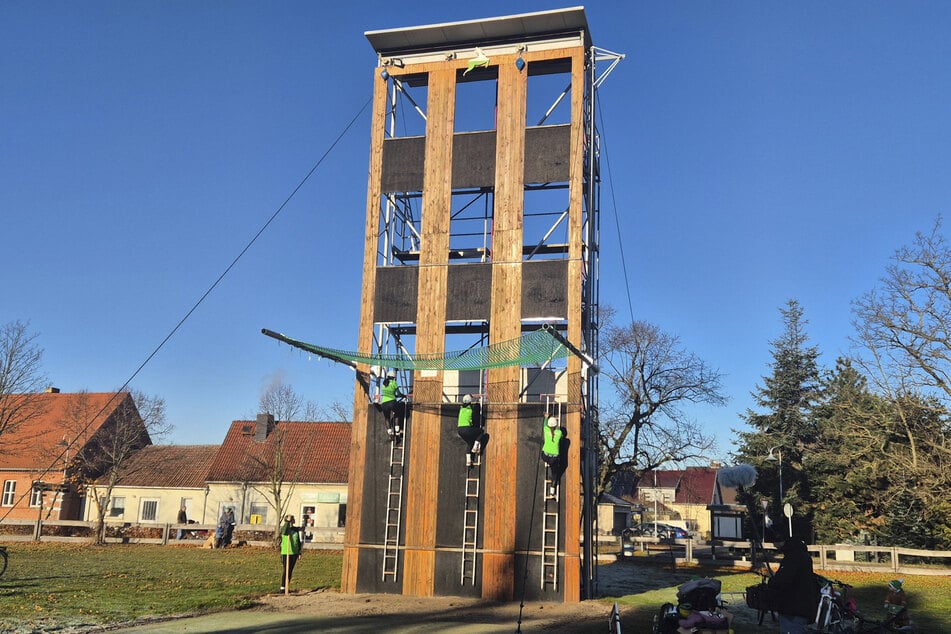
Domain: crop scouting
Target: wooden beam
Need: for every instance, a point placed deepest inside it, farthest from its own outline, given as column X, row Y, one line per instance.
column 359, row 433
column 573, row 484
column 498, row 572
column 422, row 490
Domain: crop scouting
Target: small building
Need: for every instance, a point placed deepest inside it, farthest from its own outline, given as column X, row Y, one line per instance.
column 156, row 482
column 682, row 496
column 60, row 443
column 265, row 469
column 727, row 516
column 614, row 514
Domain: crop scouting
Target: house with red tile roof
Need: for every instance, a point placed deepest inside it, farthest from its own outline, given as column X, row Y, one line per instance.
column 44, row 448
column 682, row 496
column 156, row 482
column 265, row 470
column 307, row 462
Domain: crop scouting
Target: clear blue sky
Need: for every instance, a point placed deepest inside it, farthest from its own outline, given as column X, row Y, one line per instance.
column 760, row 151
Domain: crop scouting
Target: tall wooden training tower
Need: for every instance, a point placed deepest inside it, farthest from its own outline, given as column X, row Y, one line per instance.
column 481, row 226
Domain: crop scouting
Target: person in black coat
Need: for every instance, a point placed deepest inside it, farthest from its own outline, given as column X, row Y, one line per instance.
column 794, row 588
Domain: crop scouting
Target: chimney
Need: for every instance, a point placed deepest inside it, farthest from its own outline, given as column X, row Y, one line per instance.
column 52, row 390
column 263, row 427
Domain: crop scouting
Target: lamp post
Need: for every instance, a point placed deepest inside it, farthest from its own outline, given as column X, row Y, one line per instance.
column 772, row 458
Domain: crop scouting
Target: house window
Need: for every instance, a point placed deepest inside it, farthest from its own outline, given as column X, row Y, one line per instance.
column 117, row 508
column 342, row 515
column 259, row 513
column 9, row 492
column 36, row 497
column 149, row 511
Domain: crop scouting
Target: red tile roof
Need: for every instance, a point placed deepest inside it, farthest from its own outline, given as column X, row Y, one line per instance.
column 65, row 419
column 665, row 480
column 697, row 486
column 169, row 466
column 693, row 485
column 311, row 452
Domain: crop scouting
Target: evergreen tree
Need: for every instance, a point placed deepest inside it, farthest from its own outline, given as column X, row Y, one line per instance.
column 844, row 467
column 785, row 424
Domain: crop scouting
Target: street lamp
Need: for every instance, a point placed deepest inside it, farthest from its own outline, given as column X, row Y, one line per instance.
column 772, row 458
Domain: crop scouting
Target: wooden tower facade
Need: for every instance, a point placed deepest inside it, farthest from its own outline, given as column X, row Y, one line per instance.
column 481, row 225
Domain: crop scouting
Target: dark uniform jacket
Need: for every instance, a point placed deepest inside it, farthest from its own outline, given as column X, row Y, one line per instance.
column 794, row 586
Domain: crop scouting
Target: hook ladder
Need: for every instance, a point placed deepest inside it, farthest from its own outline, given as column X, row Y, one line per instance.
column 550, row 512
column 470, row 523
column 550, row 533
column 394, row 506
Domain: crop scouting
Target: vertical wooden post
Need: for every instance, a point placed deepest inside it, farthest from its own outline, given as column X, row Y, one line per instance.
column 359, row 431
column 423, row 477
column 572, row 484
column 498, row 573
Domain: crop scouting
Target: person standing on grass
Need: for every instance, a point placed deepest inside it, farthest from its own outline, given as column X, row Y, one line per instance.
column 290, row 551
column 225, row 528
column 794, row 587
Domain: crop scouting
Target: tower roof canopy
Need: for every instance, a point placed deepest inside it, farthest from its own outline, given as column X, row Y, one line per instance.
column 524, row 27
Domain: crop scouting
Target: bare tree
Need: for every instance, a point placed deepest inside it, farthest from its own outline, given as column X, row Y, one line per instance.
column 283, row 402
column 272, row 468
column 20, row 374
column 653, row 377
column 907, row 321
column 903, row 337
column 339, row 412
column 102, row 463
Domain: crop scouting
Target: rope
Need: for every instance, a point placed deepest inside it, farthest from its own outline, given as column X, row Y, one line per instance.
column 531, row 525
column 58, row 459
column 617, row 222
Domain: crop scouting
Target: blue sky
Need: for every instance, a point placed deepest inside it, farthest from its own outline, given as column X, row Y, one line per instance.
column 758, row 151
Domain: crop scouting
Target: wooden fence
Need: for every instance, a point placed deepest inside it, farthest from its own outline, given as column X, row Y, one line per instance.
column 149, row 533
column 855, row 558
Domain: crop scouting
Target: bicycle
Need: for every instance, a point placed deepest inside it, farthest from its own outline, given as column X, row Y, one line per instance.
column 835, row 609
column 838, row 613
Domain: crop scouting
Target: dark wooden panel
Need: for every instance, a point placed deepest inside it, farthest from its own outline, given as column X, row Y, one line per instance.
column 448, row 582
column 376, row 476
column 545, row 289
column 396, row 289
column 546, row 154
column 473, row 164
column 403, row 164
column 469, row 292
column 473, row 159
column 371, row 573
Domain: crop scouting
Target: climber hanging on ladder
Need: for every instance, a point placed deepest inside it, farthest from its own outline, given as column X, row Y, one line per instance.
column 470, row 431
column 551, row 451
column 394, row 409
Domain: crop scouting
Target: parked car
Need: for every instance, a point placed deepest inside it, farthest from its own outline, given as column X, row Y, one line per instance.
column 663, row 531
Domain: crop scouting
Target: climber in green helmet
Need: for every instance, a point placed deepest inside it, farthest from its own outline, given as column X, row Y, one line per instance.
column 551, row 451
column 390, row 403
column 469, row 430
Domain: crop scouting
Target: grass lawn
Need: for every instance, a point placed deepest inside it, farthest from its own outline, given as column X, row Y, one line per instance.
column 52, row 585
column 65, row 584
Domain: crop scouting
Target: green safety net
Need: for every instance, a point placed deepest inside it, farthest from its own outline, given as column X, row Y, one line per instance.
column 533, row 348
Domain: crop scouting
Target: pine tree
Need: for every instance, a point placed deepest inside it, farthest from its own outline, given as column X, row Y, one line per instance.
column 786, row 398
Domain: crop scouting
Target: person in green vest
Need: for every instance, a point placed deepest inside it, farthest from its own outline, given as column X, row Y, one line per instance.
column 551, row 451
column 389, row 402
column 470, row 432
column 290, row 550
